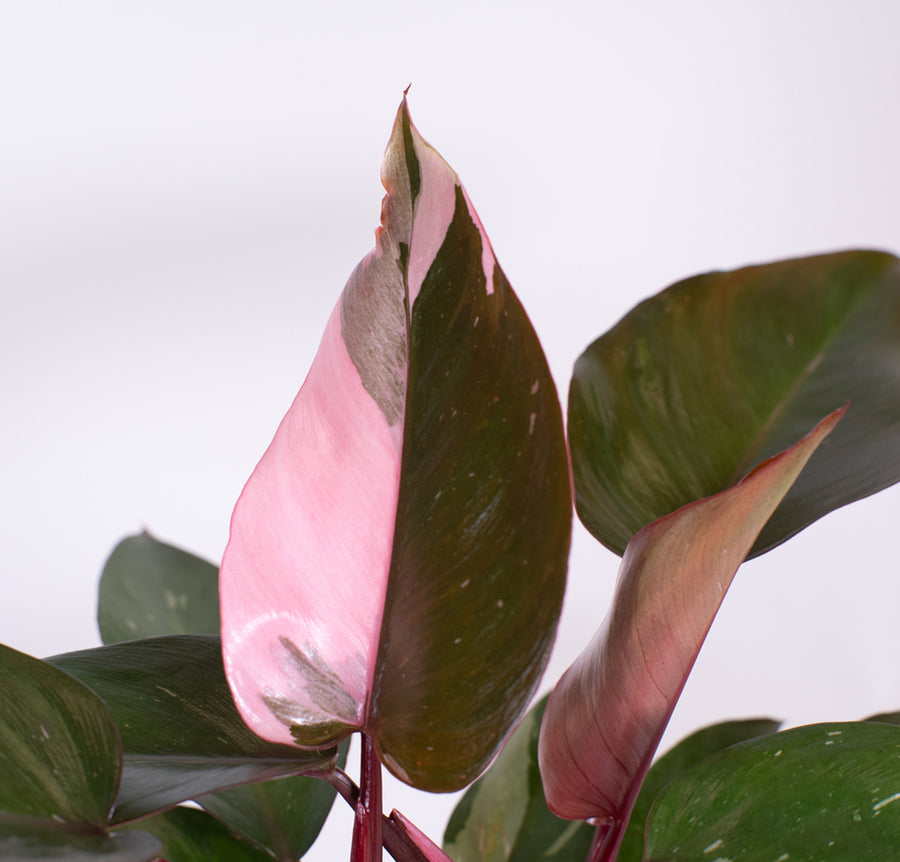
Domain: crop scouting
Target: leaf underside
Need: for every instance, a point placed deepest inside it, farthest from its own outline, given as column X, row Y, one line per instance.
column 606, row 715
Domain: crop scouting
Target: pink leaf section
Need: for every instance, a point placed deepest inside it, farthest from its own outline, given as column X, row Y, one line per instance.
column 305, row 573
column 606, row 715
column 417, row 846
column 435, row 206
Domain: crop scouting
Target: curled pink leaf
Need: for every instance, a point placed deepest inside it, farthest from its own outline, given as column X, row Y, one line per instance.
column 606, row 715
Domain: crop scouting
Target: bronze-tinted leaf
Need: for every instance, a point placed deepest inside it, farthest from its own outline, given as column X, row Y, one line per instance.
column 699, row 384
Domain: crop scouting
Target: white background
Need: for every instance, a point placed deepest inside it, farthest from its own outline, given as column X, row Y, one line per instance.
column 184, row 188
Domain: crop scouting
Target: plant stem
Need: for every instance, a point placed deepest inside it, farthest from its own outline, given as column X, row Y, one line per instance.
column 367, row 829
column 607, row 839
column 397, row 840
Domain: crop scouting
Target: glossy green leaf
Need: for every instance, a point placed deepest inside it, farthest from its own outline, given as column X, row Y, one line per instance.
column 678, row 760
column 886, row 718
column 189, row 835
column 696, row 386
column 823, row 793
column 284, row 816
column 503, row 816
column 149, row 589
column 181, row 733
column 483, row 527
column 41, row 843
column 421, row 474
column 60, row 755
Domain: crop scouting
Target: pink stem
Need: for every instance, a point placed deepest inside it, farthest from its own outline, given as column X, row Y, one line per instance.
column 606, row 843
column 397, row 840
column 367, row 828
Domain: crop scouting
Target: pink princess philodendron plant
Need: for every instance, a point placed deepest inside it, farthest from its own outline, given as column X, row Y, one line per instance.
column 396, row 569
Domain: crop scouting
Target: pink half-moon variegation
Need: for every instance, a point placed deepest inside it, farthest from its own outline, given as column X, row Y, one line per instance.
column 336, row 527
column 296, row 629
column 304, row 575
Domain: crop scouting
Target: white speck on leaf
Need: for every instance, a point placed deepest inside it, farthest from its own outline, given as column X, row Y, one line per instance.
column 175, row 601
column 714, row 846
column 879, row 805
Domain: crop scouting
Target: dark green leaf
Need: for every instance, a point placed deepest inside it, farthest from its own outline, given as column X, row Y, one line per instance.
column 181, row 733
column 23, row 842
column 503, row 816
column 149, row 588
column 886, row 718
column 60, row 755
column 823, row 793
column 483, row 524
column 677, row 760
column 699, row 384
column 189, row 835
column 284, row 816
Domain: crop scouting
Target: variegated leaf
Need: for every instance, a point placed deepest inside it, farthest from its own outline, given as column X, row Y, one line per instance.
column 397, row 559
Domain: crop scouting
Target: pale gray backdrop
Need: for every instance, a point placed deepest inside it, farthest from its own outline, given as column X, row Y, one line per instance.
column 184, row 188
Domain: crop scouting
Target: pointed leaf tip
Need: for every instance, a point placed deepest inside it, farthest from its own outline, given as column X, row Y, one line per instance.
column 605, row 717
column 413, row 513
